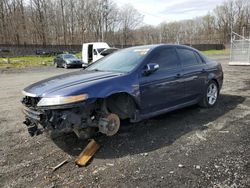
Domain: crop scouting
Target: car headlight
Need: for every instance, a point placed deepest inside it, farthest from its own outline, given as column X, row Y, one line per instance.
column 61, row 100
column 68, row 61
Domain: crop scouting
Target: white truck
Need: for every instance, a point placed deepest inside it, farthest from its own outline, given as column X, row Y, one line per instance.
column 91, row 52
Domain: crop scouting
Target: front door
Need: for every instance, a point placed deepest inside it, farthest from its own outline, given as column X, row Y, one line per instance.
column 163, row 88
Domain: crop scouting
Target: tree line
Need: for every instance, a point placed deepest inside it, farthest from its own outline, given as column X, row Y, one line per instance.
column 68, row 22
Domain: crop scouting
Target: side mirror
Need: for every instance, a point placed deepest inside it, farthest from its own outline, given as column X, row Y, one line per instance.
column 150, row 68
column 84, row 65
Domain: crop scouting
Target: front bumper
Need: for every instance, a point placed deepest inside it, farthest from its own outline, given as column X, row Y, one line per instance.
column 34, row 118
column 60, row 118
column 74, row 65
column 57, row 120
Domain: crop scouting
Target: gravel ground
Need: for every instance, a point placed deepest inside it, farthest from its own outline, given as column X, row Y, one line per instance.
column 192, row 147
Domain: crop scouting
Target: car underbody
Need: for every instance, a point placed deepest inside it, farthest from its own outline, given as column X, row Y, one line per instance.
column 83, row 119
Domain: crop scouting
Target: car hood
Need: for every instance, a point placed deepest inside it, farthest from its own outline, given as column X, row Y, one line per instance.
column 70, row 81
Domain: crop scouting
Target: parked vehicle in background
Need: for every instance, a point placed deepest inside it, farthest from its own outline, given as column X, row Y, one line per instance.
column 94, row 51
column 134, row 83
column 67, row 61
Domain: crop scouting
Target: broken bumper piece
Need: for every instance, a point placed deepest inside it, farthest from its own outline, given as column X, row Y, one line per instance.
column 32, row 128
column 32, row 114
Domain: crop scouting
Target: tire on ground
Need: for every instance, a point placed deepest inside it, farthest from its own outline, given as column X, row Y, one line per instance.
column 204, row 101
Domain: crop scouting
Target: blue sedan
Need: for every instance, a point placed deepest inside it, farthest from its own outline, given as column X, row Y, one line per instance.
column 134, row 83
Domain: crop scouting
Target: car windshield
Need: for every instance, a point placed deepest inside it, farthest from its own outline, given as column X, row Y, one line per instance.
column 69, row 56
column 100, row 49
column 121, row 61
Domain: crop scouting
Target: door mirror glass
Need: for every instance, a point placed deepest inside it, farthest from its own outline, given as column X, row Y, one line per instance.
column 150, row 68
column 84, row 65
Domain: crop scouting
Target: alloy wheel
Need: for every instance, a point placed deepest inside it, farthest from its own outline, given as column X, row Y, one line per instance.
column 212, row 93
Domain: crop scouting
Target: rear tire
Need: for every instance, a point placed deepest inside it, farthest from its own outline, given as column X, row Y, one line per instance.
column 211, row 95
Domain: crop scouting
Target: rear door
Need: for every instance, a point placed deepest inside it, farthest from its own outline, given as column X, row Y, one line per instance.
column 163, row 88
column 194, row 73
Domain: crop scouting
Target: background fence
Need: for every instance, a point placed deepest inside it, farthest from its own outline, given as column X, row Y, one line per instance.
column 240, row 50
column 23, row 50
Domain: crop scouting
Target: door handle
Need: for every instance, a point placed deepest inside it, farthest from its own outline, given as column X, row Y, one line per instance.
column 178, row 75
column 203, row 70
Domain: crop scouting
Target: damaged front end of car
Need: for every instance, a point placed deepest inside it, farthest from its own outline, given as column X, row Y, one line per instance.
column 77, row 114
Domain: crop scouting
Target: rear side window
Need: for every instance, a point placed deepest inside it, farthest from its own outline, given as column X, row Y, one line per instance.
column 199, row 59
column 165, row 58
column 188, row 57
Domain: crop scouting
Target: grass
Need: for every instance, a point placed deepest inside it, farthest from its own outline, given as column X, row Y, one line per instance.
column 79, row 55
column 217, row 52
column 26, row 61
column 29, row 61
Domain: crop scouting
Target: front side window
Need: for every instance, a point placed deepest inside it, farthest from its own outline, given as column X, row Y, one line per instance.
column 187, row 57
column 165, row 58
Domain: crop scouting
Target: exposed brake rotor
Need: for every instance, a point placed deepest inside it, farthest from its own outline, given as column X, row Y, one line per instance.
column 109, row 125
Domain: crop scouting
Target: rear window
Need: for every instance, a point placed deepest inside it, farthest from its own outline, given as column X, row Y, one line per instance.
column 199, row 59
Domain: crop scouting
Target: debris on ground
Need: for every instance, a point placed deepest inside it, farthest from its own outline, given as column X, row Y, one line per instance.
column 180, row 165
column 198, row 167
column 144, row 154
column 87, row 153
column 109, row 164
column 216, row 166
column 59, row 165
column 223, row 131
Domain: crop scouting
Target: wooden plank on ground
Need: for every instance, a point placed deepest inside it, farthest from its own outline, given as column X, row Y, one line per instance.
column 87, row 153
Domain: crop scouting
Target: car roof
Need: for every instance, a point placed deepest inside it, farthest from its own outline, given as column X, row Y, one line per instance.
column 67, row 54
column 154, row 46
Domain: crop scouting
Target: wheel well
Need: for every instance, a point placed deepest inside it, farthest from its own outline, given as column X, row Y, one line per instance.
column 121, row 104
column 216, row 82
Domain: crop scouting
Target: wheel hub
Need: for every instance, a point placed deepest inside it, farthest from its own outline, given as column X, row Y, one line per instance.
column 212, row 93
column 109, row 125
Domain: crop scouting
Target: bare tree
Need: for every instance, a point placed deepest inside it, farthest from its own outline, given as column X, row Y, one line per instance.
column 79, row 21
column 130, row 19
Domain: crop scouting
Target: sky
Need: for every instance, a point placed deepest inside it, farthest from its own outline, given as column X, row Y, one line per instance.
column 157, row 11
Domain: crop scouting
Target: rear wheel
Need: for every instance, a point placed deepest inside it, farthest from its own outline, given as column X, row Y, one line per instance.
column 211, row 95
